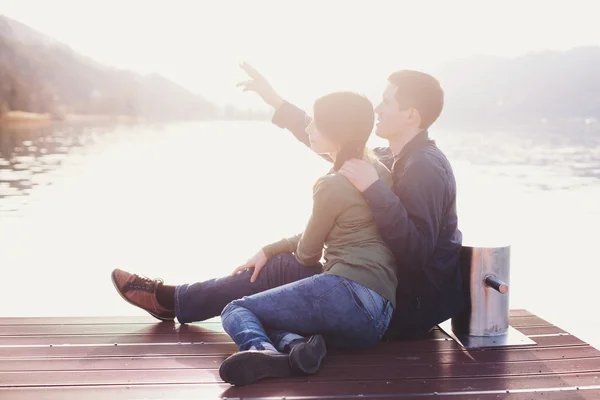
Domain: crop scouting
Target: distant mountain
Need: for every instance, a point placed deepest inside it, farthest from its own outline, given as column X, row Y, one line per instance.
column 550, row 86
column 39, row 74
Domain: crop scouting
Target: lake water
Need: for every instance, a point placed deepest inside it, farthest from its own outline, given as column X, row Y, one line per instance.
column 191, row 201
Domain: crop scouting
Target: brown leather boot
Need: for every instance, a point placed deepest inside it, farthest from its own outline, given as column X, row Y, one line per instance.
column 141, row 291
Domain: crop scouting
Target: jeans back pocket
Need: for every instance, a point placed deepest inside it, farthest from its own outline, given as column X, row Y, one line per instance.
column 368, row 301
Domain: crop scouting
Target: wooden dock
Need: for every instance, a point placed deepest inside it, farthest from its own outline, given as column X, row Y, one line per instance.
column 140, row 358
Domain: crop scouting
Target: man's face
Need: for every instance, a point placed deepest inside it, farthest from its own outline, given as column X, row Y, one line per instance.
column 392, row 121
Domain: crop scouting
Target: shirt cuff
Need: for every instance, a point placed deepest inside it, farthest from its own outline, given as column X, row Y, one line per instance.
column 379, row 194
column 281, row 246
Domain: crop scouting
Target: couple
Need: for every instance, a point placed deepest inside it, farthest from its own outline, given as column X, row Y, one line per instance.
column 386, row 221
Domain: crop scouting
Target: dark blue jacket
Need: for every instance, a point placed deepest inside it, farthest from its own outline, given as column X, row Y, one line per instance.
column 418, row 221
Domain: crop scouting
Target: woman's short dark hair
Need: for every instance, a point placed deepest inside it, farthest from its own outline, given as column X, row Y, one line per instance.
column 346, row 119
column 420, row 91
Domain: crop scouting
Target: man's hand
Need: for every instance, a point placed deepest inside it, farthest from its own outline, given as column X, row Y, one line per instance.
column 257, row 262
column 257, row 83
column 360, row 173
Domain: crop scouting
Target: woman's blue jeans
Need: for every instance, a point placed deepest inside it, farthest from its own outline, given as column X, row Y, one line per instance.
column 346, row 313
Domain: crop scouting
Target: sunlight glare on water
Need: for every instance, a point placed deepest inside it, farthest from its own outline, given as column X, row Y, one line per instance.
column 192, row 201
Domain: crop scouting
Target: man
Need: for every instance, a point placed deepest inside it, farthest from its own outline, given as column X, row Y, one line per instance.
column 417, row 219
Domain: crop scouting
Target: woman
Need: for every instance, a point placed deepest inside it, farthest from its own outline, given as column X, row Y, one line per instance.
column 350, row 304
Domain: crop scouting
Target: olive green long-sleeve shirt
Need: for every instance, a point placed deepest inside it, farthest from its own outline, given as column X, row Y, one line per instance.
column 342, row 226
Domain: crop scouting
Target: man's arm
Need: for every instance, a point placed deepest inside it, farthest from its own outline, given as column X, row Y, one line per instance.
column 410, row 223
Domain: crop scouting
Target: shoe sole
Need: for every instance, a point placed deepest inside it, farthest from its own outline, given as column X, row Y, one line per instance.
column 114, row 282
column 306, row 358
column 248, row 367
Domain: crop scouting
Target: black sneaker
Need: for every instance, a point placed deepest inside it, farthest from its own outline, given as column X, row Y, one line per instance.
column 306, row 355
column 250, row 366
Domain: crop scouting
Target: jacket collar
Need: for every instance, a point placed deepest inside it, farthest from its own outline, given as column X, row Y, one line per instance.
column 419, row 141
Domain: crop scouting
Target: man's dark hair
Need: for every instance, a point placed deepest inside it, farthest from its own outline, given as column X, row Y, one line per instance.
column 420, row 91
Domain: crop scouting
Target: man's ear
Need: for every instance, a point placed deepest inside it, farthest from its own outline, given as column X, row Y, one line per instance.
column 414, row 117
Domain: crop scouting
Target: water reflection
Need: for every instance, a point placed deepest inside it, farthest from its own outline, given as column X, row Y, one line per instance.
column 187, row 202
column 31, row 156
column 544, row 159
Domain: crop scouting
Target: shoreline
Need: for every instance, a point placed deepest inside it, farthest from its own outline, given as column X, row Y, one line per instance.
column 20, row 118
column 15, row 119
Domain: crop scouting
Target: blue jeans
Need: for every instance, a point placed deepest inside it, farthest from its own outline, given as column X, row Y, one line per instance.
column 346, row 313
column 204, row 300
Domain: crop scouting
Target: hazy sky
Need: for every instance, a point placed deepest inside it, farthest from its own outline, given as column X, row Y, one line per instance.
column 305, row 47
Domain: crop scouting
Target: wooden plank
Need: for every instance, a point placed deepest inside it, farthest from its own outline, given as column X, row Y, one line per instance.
column 553, row 341
column 210, row 337
column 465, row 357
column 520, row 312
column 79, row 372
column 363, row 360
column 533, row 320
column 524, row 324
column 107, row 377
column 541, row 330
column 112, row 339
column 328, row 373
column 418, row 346
column 361, row 389
column 79, row 320
column 593, row 394
column 111, row 329
column 120, row 350
column 175, row 337
column 514, row 316
column 149, row 392
column 543, row 353
column 206, row 392
column 114, row 363
column 206, row 348
column 195, row 335
column 305, row 387
column 430, row 371
column 216, row 348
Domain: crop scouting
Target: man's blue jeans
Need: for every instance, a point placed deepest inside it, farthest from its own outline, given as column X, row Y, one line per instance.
column 204, row 300
column 346, row 313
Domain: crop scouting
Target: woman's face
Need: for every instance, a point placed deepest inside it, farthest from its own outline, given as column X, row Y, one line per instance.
column 319, row 143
